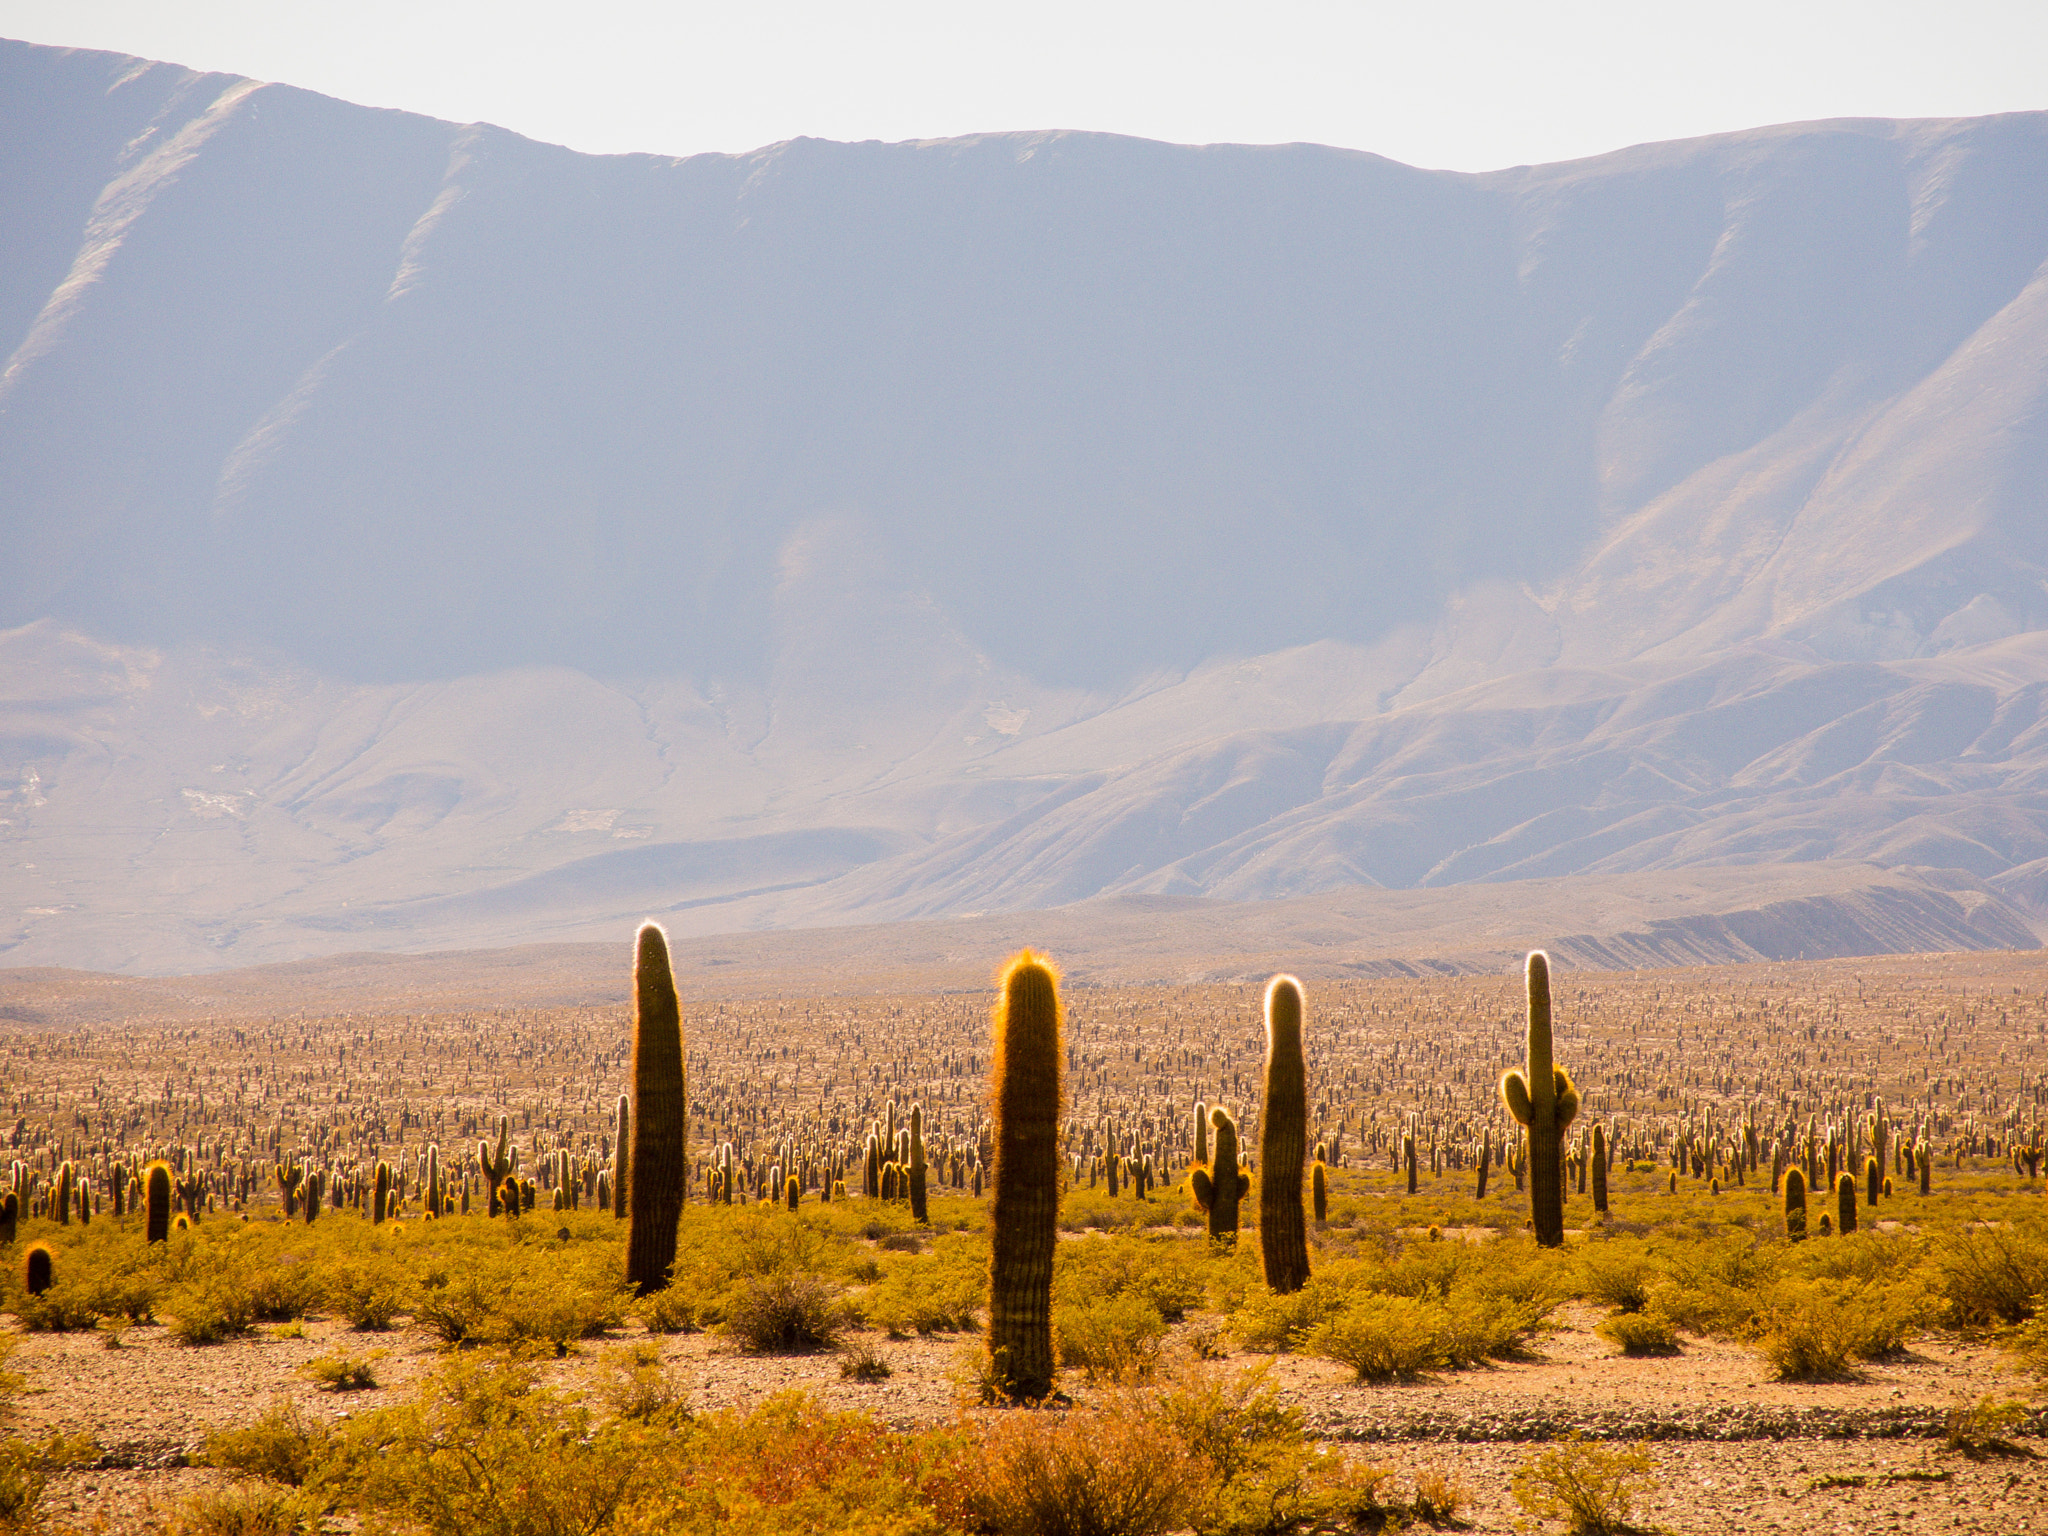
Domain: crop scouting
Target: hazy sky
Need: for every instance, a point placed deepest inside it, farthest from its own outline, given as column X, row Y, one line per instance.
column 1470, row 86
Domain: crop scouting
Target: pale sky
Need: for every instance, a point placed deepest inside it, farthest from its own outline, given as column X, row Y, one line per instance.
column 1459, row 84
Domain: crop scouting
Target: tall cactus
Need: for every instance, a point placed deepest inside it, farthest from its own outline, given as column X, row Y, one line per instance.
column 37, row 1270
column 10, row 1216
column 1600, row 1170
column 1283, row 1142
column 917, row 1165
column 1024, row 1210
column 1219, row 1187
column 658, row 1170
column 1872, row 1177
column 1845, row 1203
column 1546, row 1102
column 156, row 1194
column 1795, row 1204
column 620, row 1157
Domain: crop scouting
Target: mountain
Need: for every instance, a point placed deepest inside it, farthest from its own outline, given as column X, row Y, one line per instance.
column 421, row 537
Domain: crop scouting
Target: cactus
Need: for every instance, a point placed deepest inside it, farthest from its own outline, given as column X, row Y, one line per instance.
column 156, row 1180
column 1283, row 1142
column 1795, row 1204
column 289, row 1176
column 380, row 1194
column 1600, row 1169
column 1872, row 1179
column 917, row 1166
column 658, row 1169
column 37, row 1270
column 1845, row 1204
column 1546, row 1103
column 60, row 1196
column 792, row 1191
column 10, row 1216
column 437, row 1204
column 316, row 1194
column 1485, row 1160
column 1408, row 1157
column 1319, row 1192
column 622, row 1141
column 1925, row 1158
column 1218, row 1188
column 1201, row 1132
column 1024, row 1209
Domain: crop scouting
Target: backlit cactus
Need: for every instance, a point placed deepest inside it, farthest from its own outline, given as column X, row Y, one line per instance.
column 38, row 1270
column 916, row 1171
column 1219, row 1187
column 156, row 1195
column 1795, row 1204
column 1599, row 1169
column 1546, row 1103
column 1845, row 1203
column 1024, row 1209
column 619, row 1155
column 1319, row 1192
column 1283, row 1142
column 10, row 1216
column 658, row 1168
column 1872, row 1178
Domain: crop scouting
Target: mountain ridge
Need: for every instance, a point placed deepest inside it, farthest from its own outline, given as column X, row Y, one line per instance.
column 411, row 520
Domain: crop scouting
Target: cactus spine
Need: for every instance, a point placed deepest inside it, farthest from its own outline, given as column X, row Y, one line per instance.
column 658, row 1168
column 1545, row 1102
column 156, row 1181
column 917, row 1165
column 1024, row 1209
column 1283, row 1142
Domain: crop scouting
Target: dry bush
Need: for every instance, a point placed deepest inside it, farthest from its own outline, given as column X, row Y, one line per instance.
column 1993, row 1275
column 1114, row 1338
column 1640, row 1334
column 1593, row 1488
column 639, row 1387
column 282, row 1445
column 785, row 1314
column 1382, row 1338
column 936, row 1292
column 342, row 1373
column 860, row 1362
column 1440, row 1496
column 247, row 1509
column 1815, row 1331
column 1100, row 1474
column 1983, row 1429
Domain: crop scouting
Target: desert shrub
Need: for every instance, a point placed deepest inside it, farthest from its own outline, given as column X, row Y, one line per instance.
column 212, row 1306
column 457, row 1309
column 1640, row 1333
column 63, row 1308
column 640, row 1388
column 282, row 1445
column 900, row 1242
column 1816, row 1331
column 1111, row 1338
column 1983, row 1429
column 247, row 1509
column 283, row 1291
column 789, row 1465
column 482, row 1447
column 785, row 1314
column 860, row 1362
column 1593, row 1488
column 1617, row 1275
column 1719, row 1288
column 1271, row 1323
column 1108, row 1473
column 1382, row 1338
column 667, row 1311
column 1994, row 1275
column 534, row 1295
column 368, row 1291
column 1159, row 1271
column 342, row 1373
column 1440, row 1496
column 940, row 1291
column 25, row 1468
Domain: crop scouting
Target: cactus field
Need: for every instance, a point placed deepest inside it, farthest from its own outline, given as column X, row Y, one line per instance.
column 1784, row 1224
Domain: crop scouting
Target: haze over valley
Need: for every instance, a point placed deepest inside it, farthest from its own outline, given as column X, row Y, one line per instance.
column 419, row 537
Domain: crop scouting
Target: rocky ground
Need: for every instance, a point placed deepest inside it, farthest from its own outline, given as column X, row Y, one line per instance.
column 1733, row 1451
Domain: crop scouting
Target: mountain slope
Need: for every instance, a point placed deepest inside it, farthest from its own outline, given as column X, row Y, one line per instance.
column 417, row 531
